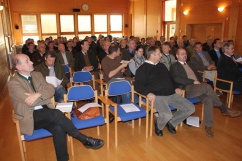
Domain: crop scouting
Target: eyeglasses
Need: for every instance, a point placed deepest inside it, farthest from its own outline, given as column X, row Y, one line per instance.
column 230, row 48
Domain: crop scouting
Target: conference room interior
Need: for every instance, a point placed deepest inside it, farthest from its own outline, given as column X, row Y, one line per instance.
column 23, row 19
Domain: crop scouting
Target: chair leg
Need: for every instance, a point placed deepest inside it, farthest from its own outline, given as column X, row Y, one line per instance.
column 133, row 123
column 151, row 120
column 107, row 125
column 98, row 130
column 146, row 124
column 71, row 145
column 21, row 143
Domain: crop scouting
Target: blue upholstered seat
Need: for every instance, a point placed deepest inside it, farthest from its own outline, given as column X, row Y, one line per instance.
column 37, row 134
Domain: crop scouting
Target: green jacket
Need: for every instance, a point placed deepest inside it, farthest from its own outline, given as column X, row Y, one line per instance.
column 59, row 72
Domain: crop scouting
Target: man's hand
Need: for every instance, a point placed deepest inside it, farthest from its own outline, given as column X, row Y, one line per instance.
column 211, row 67
column 32, row 97
column 151, row 96
column 88, row 68
column 179, row 91
column 196, row 82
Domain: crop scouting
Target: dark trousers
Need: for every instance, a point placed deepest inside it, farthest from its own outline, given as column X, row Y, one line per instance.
column 58, row 125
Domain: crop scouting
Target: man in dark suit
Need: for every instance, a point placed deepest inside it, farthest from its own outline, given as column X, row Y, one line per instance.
column 86, row 60
column 201, row 59
column 216, row 52
column 128, row 54
column 38, row 57
column 228, row 69
column 208, row 45
column 187, row 77
column 30, row 95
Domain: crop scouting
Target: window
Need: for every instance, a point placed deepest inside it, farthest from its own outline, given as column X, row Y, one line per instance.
column 170, row 10
column 48, row 23
column 67, row 23
column 116, row 23
column 68, row 37
column 29, row 24
column 100, row 23
column 84, row 23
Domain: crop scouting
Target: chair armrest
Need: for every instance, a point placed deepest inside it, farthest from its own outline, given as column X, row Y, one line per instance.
column 223, row 80
column 105, row 100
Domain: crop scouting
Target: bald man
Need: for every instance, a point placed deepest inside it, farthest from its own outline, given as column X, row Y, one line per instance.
column 64, row 57
column 187, row 77
column 30, row 95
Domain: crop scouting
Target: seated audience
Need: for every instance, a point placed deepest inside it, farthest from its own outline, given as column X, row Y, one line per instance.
column 30, row 95
column 187, row 78
column 52, row 68
column 153, row 80
column 137, row 60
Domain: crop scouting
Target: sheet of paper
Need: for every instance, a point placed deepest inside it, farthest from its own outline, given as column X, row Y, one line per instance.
column 125, row 61
column 87, row 106
column 210, row 74
column 239, row 59
column 53, row 80
column 130, row 108
column 193, row 120
column 65, row 107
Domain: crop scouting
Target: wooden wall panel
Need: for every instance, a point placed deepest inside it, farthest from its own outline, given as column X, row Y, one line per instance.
column 139, row 18
column 146, row 18
column 154, row 18
column 238, row 38
column 65, row 7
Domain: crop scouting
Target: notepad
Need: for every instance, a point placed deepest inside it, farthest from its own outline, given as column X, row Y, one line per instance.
column 65, row 107
column 193, row 121
column 130, row 108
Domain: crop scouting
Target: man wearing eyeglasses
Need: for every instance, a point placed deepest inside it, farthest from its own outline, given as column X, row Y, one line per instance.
column 228, row 69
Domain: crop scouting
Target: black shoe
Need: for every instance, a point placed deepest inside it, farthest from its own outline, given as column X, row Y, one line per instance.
column 170, row 128
column 158, row 132
column 93, row 143
column 185, row 122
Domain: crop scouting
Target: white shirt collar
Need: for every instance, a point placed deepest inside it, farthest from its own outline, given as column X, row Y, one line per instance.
column 182, row 62
column 227, row 55
column 150, row 62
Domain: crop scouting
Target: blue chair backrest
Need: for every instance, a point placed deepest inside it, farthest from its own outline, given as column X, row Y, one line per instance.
column 82, row 92
column 119, row 88
column 82, row 76
column 66, row 69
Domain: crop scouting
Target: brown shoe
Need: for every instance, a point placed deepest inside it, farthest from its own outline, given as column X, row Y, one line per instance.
column 209, row 131
column 232, row 113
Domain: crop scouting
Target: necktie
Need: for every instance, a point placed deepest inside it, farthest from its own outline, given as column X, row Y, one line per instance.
column 31, row 83
column 185, row 63
column 168, row 58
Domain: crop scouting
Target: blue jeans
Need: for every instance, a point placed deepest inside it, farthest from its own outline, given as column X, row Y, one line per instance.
column 59, row 94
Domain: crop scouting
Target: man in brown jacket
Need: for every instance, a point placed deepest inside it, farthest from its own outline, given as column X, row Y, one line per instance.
column 30, row 95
